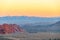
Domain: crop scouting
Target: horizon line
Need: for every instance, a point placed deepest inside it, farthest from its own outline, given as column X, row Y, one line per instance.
column 33, row 16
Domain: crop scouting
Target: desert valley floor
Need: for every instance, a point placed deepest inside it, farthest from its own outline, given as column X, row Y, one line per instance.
column 31, row 36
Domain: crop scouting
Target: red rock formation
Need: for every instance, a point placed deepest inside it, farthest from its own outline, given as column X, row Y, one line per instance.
column 10, row 28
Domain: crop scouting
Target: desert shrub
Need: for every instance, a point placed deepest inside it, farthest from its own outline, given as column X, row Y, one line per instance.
column 54, row 39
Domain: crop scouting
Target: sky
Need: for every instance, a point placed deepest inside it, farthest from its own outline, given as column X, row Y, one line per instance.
column 39, row 8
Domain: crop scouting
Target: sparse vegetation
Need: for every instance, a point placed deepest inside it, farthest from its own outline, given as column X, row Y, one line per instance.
column 54, row 39
column 32, row 36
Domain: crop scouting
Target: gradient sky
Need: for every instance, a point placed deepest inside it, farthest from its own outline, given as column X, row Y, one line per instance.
column 40, row 8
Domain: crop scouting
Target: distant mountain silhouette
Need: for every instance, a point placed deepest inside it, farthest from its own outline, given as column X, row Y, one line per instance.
column 10, row 28
column 57, row 23
column 26, row 19
column 55, row 26
column 33, row 28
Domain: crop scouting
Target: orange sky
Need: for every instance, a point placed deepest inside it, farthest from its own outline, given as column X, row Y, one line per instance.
column 43, row 8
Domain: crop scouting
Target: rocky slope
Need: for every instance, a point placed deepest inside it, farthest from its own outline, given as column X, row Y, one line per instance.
column 10, row 28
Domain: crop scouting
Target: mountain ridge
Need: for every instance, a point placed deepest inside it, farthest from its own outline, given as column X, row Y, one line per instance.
column 26, row 19
column 43, row 28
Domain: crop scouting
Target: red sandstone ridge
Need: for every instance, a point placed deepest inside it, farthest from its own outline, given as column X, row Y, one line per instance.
column 10, row 28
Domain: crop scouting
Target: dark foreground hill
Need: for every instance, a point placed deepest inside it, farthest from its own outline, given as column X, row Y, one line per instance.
column 34, row 28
